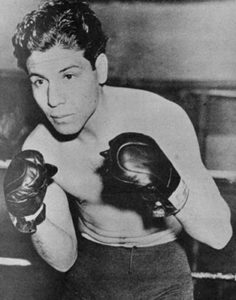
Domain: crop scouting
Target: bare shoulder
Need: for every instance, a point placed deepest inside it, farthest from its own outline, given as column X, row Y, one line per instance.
column 163, row 120
column 134, row 94
column 147, row 100
column 159, row 105
column 165, row 114
column 150, row 111
column 40, row 139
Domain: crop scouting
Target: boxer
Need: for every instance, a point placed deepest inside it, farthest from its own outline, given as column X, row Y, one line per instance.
column 128, row 160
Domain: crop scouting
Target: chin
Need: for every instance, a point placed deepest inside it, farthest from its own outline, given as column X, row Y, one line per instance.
column 66, row 130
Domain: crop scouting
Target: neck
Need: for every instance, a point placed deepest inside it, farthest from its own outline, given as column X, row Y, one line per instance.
column 98, row 122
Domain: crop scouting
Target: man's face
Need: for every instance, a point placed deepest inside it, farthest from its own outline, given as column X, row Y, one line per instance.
column 64, row 86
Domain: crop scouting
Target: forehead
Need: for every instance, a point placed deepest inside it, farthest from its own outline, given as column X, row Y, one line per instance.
column 55, row 59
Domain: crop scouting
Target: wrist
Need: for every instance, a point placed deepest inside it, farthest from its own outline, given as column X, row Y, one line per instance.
column 180, row 196
column 176, row 202
column 28, row 224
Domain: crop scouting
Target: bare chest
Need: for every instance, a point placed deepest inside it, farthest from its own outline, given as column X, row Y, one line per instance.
column 78, row 173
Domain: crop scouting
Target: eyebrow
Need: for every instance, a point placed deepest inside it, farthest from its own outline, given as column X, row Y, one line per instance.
column 61, row 71
column 36, row 74
column 70, row 67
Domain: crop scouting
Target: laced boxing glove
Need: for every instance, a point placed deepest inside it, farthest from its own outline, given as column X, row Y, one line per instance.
column 136, row 161
column 25, row 185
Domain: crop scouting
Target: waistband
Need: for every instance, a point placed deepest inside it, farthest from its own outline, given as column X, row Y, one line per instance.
column 153, row 239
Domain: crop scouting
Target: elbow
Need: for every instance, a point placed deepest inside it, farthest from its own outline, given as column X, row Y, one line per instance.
column 224, row 232
column 66, row 264
column 65, row 259
column 222, row 240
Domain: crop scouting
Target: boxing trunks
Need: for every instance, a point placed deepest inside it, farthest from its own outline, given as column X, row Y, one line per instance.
column 120, row 273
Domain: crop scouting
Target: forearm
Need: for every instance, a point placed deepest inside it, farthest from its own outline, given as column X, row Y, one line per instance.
column 55, row 246
column 207, row 220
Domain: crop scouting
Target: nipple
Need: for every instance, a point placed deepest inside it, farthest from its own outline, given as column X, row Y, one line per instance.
column 105, row 154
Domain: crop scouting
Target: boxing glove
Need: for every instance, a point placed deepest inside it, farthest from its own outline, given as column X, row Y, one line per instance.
column 25, row 185
column 136, row 162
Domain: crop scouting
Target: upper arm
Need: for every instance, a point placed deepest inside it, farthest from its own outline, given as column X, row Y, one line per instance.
column 179, row 142
column 205, row 207
column 177, row 138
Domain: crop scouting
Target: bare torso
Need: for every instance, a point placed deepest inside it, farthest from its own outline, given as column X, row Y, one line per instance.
column 78, row 162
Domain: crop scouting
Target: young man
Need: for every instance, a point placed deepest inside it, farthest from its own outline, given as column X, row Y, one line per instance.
column 129, row 158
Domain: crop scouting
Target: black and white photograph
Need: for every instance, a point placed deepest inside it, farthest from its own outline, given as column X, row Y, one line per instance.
column 117, row 150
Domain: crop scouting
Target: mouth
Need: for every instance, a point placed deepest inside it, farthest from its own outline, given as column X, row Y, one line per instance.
column 61, row 118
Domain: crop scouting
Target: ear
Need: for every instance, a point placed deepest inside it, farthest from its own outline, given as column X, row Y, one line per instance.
column 101, row 66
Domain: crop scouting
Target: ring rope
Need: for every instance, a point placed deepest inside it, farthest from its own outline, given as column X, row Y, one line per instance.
column 214, row 276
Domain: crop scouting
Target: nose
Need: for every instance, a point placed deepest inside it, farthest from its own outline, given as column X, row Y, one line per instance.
column 55, row 95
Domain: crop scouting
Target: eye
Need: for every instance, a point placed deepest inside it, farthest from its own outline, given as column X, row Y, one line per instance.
column 68, row 76
column 38, row 82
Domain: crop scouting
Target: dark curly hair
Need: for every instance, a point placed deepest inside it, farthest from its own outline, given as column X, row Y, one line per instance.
column 68, row 23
